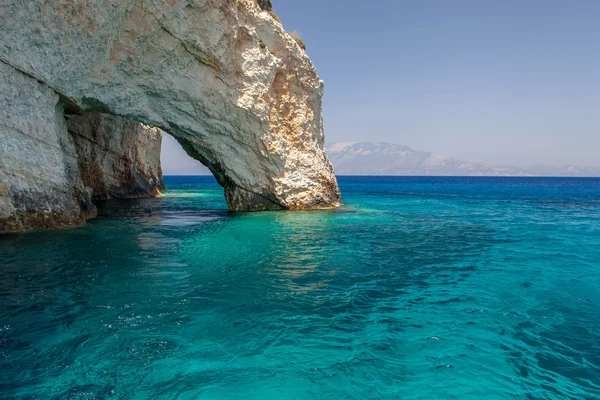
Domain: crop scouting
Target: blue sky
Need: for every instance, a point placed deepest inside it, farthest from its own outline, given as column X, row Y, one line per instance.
column 503, row 82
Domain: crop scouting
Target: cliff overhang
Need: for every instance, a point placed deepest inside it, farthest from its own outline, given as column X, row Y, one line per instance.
column 221, row 76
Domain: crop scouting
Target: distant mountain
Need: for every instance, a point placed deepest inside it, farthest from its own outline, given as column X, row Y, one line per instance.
column 380, row 158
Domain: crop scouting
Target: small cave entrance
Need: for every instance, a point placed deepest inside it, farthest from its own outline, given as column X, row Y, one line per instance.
column 120, row 159
column 130, row 166
column 176, row 162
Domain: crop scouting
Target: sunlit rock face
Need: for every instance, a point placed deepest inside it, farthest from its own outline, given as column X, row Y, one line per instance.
column 221, row 76
column 117, row 158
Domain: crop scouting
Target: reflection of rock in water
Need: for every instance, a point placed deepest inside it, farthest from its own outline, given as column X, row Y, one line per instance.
column 128, row 208
column 303, row 241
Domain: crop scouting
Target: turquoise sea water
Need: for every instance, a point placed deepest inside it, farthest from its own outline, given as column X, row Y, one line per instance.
column 419, row 288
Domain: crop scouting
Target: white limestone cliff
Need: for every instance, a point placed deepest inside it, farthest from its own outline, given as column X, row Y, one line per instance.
column 221, row 76
column 40, row 183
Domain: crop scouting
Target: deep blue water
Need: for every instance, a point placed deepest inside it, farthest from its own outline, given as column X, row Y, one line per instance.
column 419, row 288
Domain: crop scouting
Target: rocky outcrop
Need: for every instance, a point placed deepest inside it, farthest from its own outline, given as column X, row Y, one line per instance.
column 40, row 184
column 51, row 168
column 221, row 76
column 265, row 5
column 117, row 158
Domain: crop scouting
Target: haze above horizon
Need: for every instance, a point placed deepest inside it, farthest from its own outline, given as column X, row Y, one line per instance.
column 508, row 83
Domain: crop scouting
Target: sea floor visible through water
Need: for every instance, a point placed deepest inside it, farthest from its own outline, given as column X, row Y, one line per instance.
column 418, row 288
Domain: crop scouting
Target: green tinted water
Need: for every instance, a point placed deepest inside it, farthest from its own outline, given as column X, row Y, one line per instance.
column 420, row 288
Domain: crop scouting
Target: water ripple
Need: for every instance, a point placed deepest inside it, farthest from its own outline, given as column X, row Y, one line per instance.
column 419, row 288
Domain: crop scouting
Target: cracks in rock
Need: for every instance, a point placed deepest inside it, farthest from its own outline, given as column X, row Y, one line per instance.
column 35, row 139
column 108, row 150
column 279, row 205
column 71, row 106
column 29, row 74
column 202, row 59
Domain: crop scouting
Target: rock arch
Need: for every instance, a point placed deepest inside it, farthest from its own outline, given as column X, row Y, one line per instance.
column 221, row 76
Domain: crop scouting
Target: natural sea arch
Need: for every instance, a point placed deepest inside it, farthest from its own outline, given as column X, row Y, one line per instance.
column 220, row 76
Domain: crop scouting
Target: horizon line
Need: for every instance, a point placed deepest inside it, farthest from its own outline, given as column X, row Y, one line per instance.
column 441, row 176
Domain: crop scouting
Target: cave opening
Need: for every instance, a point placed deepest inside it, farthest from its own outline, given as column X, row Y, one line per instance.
column 122, row 159
column 176, row 162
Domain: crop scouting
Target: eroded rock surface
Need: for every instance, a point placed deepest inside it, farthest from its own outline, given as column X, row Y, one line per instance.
column 51, row 168
column 117, row 158
column 221, row 76
column 265, row 5
column 40, row 184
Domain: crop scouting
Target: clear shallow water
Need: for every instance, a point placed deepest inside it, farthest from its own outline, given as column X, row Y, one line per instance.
column 420, row 288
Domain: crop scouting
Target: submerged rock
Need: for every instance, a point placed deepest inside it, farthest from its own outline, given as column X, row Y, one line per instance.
column 221, row 76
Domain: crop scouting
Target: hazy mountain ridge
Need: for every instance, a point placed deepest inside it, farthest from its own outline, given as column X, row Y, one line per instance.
column 382, row 158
